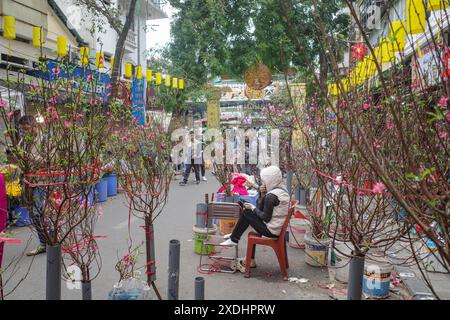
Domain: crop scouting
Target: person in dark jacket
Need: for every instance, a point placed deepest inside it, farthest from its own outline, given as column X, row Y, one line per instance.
column 268, row 217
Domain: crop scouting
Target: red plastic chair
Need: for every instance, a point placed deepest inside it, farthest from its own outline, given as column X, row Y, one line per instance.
column 278, row 245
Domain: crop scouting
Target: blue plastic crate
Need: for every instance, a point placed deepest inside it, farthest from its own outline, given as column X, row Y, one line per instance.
column 22, row 217
column 252, row 199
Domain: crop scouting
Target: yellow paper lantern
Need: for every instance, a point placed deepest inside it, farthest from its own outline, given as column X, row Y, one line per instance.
column 9, row 27
column 61, row 46
column 158, row 78
column 167, row 80
column 175, row 83
column 84, row 55
column 436, row 5
column 387, row 50
column 100, row 59
column 415, row 16
column 398, row 35
column 128, row 70
column 181, row 84
column 38, row 37
column 139, row 74
column 149, row 76
column 333, row 89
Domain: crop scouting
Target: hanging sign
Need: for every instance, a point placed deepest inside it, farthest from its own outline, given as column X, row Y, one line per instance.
column 138, row 108
column 213, row 114
column 426, row 69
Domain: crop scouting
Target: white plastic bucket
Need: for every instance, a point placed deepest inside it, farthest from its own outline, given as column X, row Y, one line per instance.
column 342, row 260
column 297, row 231
column 377, row 278
column 316, row 253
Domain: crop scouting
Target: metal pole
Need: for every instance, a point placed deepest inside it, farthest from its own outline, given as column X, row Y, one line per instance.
column 86, row 290
column 202, row 209
column 174, row 270
column 53, row 290
column 355, row 278
column 289, row 177
column 199, row 288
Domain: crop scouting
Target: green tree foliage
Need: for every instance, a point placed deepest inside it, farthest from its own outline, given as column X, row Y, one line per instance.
column 224, row 37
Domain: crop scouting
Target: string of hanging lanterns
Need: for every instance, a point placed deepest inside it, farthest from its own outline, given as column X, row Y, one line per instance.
column 385, row 52
column 38, row 39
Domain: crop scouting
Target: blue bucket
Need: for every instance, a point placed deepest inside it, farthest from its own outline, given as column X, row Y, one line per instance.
column 91, row 195
column 377, row 279
column 22, row 217
column 101, row 189
column 112, row 185
column 39, row 197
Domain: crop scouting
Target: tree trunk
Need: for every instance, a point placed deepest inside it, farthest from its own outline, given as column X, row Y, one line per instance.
column 119, row 48
column 323, row 69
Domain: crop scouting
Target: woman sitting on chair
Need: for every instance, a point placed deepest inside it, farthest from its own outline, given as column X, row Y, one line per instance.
column 268, row 217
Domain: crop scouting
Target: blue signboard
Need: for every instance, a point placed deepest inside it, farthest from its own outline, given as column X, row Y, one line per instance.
column 56, row 70
column 138, row 101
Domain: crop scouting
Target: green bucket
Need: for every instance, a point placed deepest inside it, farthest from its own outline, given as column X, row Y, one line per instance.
column 201, row 236
column 199, row 247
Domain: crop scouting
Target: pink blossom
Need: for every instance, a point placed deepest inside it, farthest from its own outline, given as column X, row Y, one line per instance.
column 67, row 124
column 378, row 187
column 443, row 102
column 90, row 77
column 56, row 71
column 390, row 125
column 366, row 106
column 4, row 103
column 33, row 86
column 271, row 108
column 108, row 114
column 92, row 102
column 50, row 109
column 448, row 117
column 55, row 115
column 53, row 100
column 376, row 144
column 108, row 86
column 58, row 202
column 443, row 135
column 124, row 139
column 10, row 114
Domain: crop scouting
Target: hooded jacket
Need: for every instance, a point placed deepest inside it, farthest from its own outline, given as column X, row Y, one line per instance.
column 273, row 208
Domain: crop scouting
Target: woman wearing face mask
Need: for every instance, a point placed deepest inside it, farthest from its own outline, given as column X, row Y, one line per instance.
column 268, row 217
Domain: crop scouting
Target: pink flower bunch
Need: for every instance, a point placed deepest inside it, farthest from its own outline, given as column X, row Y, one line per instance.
column 366, row 106
column 390, row 125
column 379, row 187
column 448, row 117
column 4, row 103
column 443, row 135
column 53, row 100
column 56, row 71
column 443, row 102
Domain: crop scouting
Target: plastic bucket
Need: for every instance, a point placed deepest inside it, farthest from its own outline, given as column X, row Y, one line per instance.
column 342, row 260
column 112, row 185
column 301, row 212
column 201, row 235
column 102, row 190
column 316, row 253
column 298, row 229
column 22, row 217
column 377, row 278
column 227, row 226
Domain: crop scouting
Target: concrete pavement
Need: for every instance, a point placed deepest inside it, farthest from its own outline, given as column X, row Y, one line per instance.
column 176, row 222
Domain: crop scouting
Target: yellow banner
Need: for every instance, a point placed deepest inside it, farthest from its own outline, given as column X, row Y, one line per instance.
column 213, row 114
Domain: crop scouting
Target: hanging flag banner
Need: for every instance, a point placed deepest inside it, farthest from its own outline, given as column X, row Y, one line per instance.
column 213, row 114
column 425, row 68
column 138, row 108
